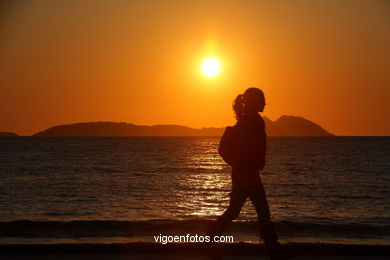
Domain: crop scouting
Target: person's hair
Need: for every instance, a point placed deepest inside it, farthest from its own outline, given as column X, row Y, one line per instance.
column 241, row 99
column 238, row 106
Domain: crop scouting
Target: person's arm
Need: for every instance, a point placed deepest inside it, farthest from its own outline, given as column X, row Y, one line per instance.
column 263, row 150
column 257, row 145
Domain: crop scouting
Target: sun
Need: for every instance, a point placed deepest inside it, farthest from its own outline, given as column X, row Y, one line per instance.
column 211, row 67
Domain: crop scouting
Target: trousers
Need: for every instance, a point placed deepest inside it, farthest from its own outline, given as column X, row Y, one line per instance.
column 246, row 183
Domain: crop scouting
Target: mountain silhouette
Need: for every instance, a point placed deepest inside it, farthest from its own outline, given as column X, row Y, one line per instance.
column 298, row 126
column 7, row 134
column 294, row 126
column 125, row 129
column 284, row 126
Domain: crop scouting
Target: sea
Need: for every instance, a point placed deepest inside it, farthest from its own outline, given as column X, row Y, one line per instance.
column 131, row 189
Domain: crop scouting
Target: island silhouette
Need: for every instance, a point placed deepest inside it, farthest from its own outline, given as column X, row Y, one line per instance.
column 7, row 134
column 284, row 126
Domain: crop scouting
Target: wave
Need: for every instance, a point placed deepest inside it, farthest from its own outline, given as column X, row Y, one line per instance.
column 112, row 228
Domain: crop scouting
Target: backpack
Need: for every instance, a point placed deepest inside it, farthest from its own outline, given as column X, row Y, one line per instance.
column 240, row 148
column 229, row 146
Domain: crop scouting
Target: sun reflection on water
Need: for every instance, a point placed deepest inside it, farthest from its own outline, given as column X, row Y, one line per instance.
column 204, row 194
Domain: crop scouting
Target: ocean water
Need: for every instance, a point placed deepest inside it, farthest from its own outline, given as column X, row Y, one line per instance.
column 126, row 189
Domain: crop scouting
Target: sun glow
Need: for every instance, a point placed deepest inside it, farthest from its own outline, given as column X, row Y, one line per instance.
column 211, row 67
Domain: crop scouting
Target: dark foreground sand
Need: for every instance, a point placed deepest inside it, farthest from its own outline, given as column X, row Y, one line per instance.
column 188, row 251
column 177, row 257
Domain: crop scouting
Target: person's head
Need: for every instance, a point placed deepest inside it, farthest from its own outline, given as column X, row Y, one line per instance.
column 252, row 101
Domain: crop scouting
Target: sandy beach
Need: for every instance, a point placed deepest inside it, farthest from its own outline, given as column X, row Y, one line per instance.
column 190, row 257
column 188, row 251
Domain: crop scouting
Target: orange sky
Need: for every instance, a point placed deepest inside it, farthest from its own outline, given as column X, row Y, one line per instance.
column 139, row 61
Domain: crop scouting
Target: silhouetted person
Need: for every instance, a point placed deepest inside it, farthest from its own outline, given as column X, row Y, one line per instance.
column 243, row 147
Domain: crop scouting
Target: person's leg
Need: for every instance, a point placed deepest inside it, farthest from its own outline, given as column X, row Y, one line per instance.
column 259, row 200
column 267, row 231
column 233, row 210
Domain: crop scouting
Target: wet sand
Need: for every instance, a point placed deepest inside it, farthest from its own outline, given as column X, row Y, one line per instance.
column 188, row 251
column 177, row 257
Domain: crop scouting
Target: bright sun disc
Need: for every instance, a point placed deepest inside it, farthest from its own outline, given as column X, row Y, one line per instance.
column 211, row 67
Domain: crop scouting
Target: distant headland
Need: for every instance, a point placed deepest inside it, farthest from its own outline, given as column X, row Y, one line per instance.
column 7, row 134
column 284, row 126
